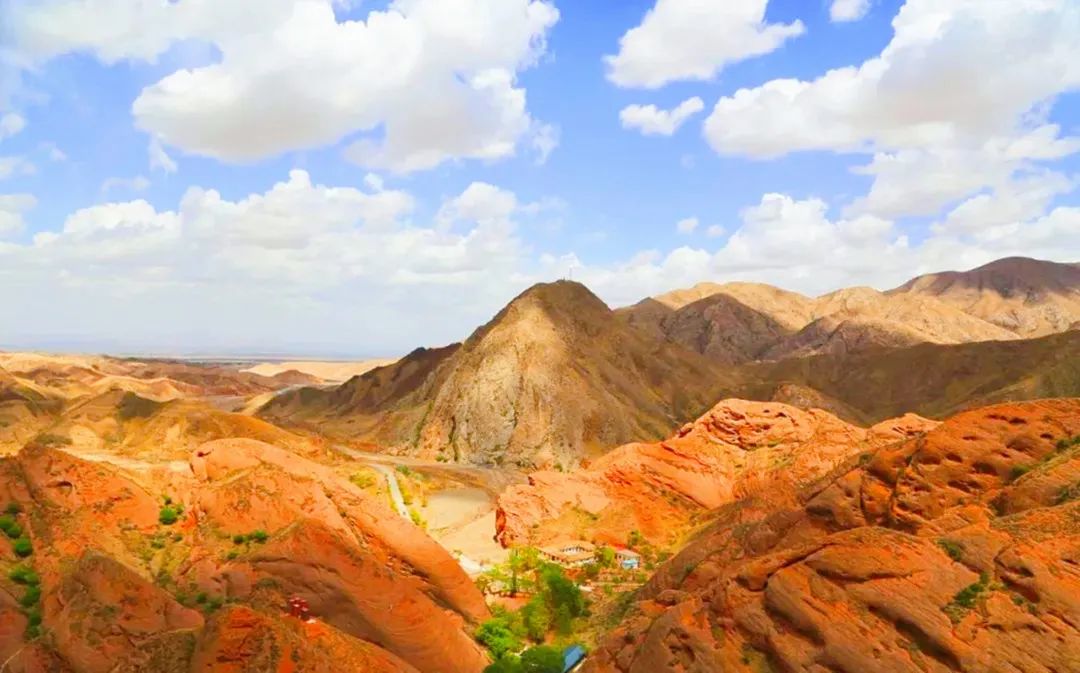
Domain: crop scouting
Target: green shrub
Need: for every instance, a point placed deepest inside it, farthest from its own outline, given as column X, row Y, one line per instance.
column 1018, row 471
column 259, row 536
column 33, row 616
column 239, row 539
column 955, row 550
column 23, row 547
column 496, row 635
column 31, row 597
column 403, row 469
column 13, row 508
column 233, row 555
column 168, row 515
column 23, row 575
column 201, row 597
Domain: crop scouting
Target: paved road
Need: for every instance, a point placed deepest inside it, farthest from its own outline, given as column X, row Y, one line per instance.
column 395, row 489
column 384, row 466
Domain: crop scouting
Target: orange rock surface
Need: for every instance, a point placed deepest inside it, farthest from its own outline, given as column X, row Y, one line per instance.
column 123, row 591
column 955, row 550
column 736, row 450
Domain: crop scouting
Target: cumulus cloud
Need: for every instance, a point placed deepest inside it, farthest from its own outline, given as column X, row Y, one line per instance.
column 957, row 101
column 651, row 120
column 425, row 81
column 715, row 231
column 12, row 208
column 694, row 40
column 687, row 225
column 795, row 244
column 848, row 10
column 341, row 261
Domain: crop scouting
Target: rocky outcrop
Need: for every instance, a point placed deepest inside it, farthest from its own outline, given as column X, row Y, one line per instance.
column 242, row 640
column 736, row 450
column 954, row 550
column 131, row 563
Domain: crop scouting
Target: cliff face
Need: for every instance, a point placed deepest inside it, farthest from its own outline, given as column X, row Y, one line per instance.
column 950, row 551
column 553, row 377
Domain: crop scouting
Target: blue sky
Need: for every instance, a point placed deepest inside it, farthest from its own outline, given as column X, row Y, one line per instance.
column 389, row 174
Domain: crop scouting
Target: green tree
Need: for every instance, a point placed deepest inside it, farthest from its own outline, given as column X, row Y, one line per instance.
column 537, row 618
column 496, row 635
column 564, row 622
column 605, row 556
column 542, row 659
column 508, row 664
column 561, row 592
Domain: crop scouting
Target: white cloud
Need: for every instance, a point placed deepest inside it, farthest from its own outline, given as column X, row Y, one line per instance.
column 957, row 101
column 159, row 158
column 687, row 225
column 715, row 231
column 340, row 261
column 651, row 120
column 694, row 40
column 11, row 124
column 848, row 10
column 427, row 80
column 12, row 207
column 15, row 166
column 136, row 184
column 545, row 139
column 480, row 202
column 795, row 244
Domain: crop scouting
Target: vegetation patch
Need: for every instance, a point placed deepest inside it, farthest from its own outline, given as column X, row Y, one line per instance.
column 968, row 597
column 133, row 406
column 954, row 550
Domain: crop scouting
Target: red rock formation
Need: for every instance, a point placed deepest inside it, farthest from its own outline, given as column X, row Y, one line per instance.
column 121, row 591
column 950, row 551
column 242, row 640
column 734, row 451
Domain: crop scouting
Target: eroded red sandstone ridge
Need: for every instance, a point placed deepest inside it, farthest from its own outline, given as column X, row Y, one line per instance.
column 956, row 550
column 737, row 450
column 121, row 591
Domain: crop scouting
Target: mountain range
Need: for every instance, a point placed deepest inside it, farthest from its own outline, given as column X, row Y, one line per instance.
column 557, row 376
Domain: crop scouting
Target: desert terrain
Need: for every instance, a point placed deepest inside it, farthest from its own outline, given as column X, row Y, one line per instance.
column 760, row 481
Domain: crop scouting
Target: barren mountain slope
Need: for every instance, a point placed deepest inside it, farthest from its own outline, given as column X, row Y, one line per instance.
column 744, row 322
column 850, row 324
column 952, row 551
column 554, row 376
column 932, row 380
column 1027, row 296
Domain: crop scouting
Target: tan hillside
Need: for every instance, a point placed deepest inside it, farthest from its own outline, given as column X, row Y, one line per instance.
column 1029, row 297
column 853, row 321
column 553, row 377
column 735, row 323
column 933, row 380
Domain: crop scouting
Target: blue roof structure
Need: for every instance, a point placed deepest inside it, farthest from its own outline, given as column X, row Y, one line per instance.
column 572, row 656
